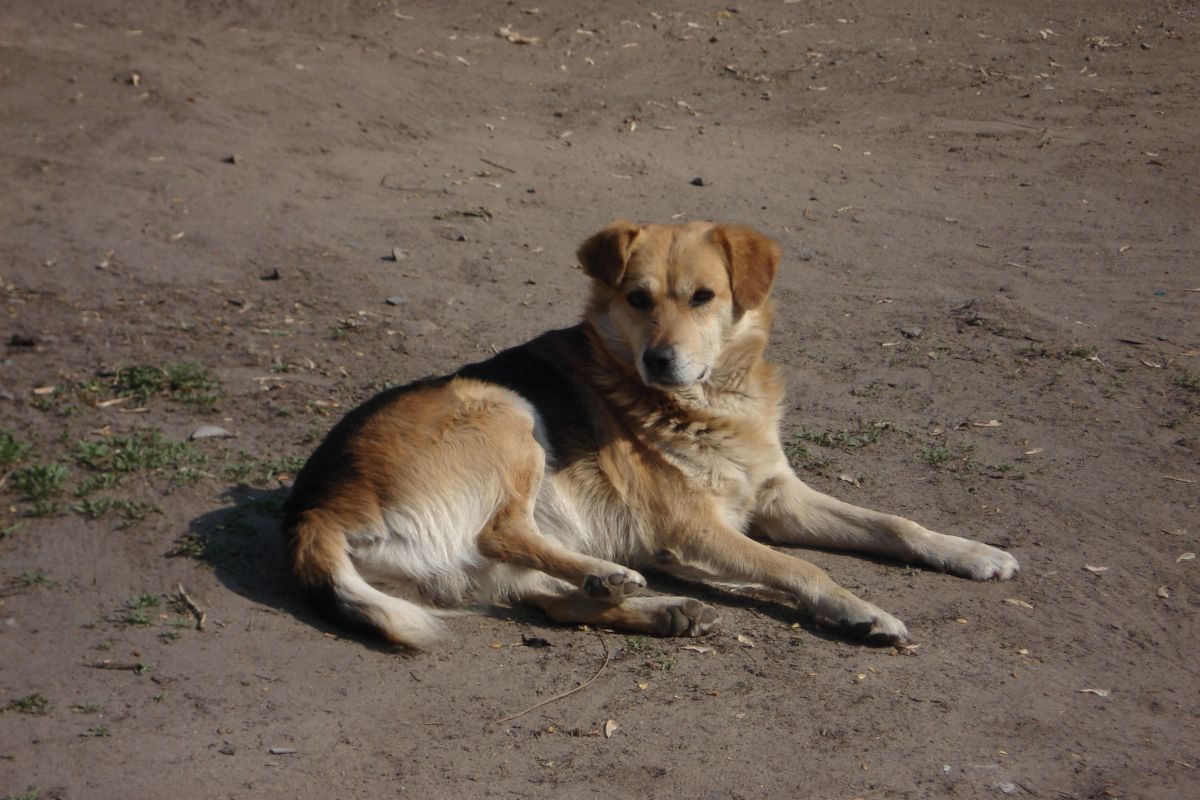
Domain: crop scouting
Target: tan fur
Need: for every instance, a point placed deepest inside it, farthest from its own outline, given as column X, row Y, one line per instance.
column 455, row 494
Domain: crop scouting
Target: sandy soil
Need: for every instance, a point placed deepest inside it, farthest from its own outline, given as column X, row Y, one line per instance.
column 989, row 212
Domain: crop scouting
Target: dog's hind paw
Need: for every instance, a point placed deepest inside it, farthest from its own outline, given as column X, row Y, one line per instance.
column 616, row 585
column 691, row 618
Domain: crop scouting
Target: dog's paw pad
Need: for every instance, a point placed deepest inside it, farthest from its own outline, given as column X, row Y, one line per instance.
column 619, row 584
column 691, row 618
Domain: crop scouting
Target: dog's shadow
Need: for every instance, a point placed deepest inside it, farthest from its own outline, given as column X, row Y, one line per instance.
column 242, row 543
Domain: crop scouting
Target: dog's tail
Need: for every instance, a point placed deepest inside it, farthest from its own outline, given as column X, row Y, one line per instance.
column 317, row 552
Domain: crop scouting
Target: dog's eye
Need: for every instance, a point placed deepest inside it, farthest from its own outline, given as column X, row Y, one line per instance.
column 701, row 297
column 638, row 299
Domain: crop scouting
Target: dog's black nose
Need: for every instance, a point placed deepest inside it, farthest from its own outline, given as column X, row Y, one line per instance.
column 658, row 359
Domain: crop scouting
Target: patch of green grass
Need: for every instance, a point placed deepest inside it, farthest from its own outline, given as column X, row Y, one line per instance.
column 864, row 434
column 130, row 511
column 40, row 484
column 255, row 471
column 40, row 481
column 34, row 704
column 936, row 456
column 139, row 451
column 1186, row 380
column 87, row 708
column 663, row 662
column 136, row 611
column 1082, row 351
column 99, row 482
column 11, row 451
column 186, row 382
column 29, row 580
column 95, row 732
column 30, row 793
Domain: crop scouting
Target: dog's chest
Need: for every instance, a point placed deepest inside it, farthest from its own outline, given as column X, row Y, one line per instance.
column 715, row 460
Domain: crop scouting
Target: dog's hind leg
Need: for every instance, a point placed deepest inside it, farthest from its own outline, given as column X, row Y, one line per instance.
column 512, row 537
column 660, row 616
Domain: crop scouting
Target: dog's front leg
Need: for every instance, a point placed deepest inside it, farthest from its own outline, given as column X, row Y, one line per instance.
column 790, row 512
column 722, row 554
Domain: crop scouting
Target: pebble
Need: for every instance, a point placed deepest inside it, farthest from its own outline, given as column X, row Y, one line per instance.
column 210, row 432
column 697, row 181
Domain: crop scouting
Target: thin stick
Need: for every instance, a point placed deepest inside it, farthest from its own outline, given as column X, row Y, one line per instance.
column 197, row 611
column 491, row 163
column 118, row 665
column 1179, row 480
column 579, row 688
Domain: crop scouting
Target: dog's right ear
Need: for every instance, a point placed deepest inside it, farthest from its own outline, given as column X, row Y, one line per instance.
column 605, row 254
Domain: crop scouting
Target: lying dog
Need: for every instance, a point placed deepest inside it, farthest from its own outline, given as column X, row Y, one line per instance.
column 646, row 437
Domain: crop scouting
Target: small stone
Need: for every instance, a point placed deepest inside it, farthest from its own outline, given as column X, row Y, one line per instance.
column 273, row 275
column 210, row 432
column 697, row 181
column 399, row 254
column 282, row 751
column 394, row 301
column 912, row 332
column 226, row 750
column 232, row 159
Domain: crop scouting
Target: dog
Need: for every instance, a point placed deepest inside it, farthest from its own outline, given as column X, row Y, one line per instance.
column 553, row 474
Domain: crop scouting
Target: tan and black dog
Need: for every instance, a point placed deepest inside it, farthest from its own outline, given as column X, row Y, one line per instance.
column 646, row 437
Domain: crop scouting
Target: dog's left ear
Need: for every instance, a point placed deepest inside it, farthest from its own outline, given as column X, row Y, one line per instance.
column 604, row 254
column 753, row 261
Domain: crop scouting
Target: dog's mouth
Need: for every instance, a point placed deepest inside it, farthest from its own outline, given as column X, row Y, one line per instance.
column 673, row 383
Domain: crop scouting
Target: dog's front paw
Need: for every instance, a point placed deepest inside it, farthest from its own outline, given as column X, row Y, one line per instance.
column 616, row 585
column 974, row 560
column 877, row 627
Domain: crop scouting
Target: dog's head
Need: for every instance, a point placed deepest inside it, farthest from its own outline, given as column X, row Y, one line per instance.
column 668, row 300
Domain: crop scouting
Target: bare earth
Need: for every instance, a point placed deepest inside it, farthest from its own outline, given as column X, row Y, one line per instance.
column 988, row 318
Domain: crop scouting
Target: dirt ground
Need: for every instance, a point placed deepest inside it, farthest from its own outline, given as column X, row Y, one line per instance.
column 987, row 317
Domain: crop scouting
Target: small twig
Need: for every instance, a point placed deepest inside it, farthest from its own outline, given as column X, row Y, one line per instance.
column 197, row 611
column 491, row 163
column 124, row 666
column 1180, row 480
column 579, row 688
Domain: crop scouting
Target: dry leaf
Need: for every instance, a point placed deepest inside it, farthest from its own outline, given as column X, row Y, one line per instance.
column 695, row 648
column 860, row 677
column 1152, row 364
column 495, row 645
column 849, row 479
column 1013, row 601
column 44, row 390
column 1186, row 557
column 1097, row 692
column 961, row 620
column 610, row 727
column 1163, row 593
column 516, row 38
column 643, row 686
column 1090, row 568
column 1035, row 451
column 991, row 423
column 746, row 640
